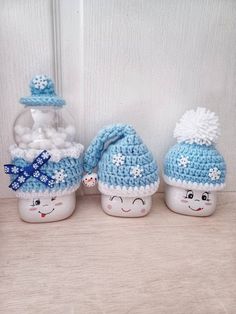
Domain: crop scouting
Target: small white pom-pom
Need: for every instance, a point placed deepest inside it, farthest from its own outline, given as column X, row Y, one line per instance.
column 198, row 126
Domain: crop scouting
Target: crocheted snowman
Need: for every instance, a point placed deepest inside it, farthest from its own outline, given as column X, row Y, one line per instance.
column 46, row 167
column 127, row 173
column 193, row 168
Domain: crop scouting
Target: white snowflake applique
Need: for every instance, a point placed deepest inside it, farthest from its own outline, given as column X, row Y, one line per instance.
column 59, row 176
column 214, row 173
column 136, row 171
column 21, row 179
column 118, row 159
column 40, row 82
column 183, row 161
column 45, row 155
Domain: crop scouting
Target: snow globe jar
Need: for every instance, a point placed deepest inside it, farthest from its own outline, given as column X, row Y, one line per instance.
column 194, row 170
column 46, row 167
column 127, row 172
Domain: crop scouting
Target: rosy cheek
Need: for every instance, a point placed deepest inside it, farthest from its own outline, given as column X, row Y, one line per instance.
column 109, row 207
column 184, row 201
column 33, row 208
column 143, row 210
column 57, row 204
column 208, row 203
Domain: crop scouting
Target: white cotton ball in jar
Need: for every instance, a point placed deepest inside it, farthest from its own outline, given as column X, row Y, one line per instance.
column 70, row 130
column 20, row 130
column 23, row 145
column 50, row 132
column 68, row 144
column 26, row 138
column 58, row 142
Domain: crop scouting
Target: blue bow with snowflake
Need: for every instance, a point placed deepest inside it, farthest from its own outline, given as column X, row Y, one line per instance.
column 32, row 170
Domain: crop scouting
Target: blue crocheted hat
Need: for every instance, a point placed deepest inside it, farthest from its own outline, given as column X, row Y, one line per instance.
column 42, row 93
column 194, row 162
column 125, row 165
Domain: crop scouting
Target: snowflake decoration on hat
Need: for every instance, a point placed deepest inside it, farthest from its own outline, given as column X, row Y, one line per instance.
column 183, row 161
column 136, row 171
column 59, row 176
column 118, row 159
column 214, row 173
column 40, row 82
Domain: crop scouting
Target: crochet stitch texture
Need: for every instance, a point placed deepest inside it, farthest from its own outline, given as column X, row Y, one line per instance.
column 70, row 168
column 194, row 162
column 42, row 93
column 125, row 165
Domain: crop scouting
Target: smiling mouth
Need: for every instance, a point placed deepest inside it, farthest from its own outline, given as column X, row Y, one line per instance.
column 125, row 210
column 45, row 214
column 196, row 210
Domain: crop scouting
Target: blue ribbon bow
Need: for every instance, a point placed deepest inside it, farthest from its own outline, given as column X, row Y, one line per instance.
column 31, row 170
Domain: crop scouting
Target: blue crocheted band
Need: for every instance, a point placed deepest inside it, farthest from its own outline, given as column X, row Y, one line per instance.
column 195, row 166
column 42, row 93
column 67, row 174
column 125, row 165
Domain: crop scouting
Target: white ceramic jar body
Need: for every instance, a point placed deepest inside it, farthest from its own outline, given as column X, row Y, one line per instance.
column 190, row 202
column 47, row 209
column 122, row 206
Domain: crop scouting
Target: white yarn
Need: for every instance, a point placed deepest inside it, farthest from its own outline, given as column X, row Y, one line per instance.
column 198, row 126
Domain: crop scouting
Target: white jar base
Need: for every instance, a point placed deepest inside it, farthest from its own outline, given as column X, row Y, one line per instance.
column 121, row 206
column 190, row 202
column 47, row 209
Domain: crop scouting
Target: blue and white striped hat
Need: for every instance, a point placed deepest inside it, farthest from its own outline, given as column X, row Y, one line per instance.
column 194, row 162
column 125, row 165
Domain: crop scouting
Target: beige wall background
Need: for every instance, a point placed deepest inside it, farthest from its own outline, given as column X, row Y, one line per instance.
column 138, row 62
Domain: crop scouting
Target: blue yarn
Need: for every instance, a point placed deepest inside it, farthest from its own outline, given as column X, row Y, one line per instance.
column 201, row 159
column 121, row 139
column 72, row 168
column 42, row 93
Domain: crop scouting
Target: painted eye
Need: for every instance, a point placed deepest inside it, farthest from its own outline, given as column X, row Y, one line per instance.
column 138, row 200
column 53, row 198
column 189, row 194
column 117, row 198
column 205, row 196
column 37, row 202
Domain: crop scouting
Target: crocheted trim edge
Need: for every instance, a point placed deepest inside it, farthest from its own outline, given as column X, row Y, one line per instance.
column 30, row 195
column 129, row 192
column 42, row 101
column 193, row 185
column 56, row 154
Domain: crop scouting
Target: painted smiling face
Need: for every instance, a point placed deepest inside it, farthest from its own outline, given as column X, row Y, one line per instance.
column 126, row 206
column 190, row 202
column 47, row 209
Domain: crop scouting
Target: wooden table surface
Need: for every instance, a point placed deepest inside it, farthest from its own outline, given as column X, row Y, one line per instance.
column 93, row 263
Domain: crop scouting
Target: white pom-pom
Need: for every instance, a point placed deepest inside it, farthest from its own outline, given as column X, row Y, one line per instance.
column 198, row 126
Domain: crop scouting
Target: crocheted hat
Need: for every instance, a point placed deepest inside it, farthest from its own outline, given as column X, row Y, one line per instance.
column 42, row 93
column 194, row 162
column 125, row 165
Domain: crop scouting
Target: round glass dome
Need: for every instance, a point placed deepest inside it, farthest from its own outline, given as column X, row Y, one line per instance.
column 44, row 127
